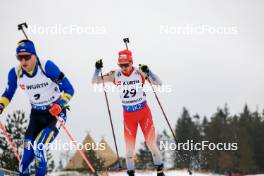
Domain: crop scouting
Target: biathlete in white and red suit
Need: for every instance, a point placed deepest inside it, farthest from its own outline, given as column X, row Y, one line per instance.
column 131, row 80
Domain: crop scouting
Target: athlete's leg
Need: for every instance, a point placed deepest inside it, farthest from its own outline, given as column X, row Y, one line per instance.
column 28, row 154
column 27, row 157
column 130, row 133
column 147, row 126
column 45, row 137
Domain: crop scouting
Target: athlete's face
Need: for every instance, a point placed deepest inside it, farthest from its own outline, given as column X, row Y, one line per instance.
column 27, row 61
column 126, row 67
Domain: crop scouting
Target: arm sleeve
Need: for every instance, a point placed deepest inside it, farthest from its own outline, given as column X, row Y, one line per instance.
column 95, row 78
column 64, row 84
column 154, row 78
column 10, row 89
column 109, row 77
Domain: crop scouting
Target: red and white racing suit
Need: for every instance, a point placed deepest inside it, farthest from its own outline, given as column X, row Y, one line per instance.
column 136, row 113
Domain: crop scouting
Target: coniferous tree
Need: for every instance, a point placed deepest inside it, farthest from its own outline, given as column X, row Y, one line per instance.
column 15, row 126
column 186, row 132
column 97, row 162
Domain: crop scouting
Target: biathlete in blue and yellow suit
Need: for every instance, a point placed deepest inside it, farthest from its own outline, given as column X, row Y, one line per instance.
column 48, row 91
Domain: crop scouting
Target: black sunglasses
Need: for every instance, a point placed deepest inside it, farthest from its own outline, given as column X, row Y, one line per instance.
column 123, row 65
column 24, row 56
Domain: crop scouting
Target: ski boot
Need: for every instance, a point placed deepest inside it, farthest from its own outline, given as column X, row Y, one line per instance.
column 131, row 173
column 160, row 170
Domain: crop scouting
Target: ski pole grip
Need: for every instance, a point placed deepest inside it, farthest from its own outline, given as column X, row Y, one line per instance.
column 126, row 40
column 20, row 26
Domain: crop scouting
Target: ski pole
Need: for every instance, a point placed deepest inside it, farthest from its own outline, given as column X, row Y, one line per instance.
column 9, row 141
column 163, row 112
column 75, row 143
column 126, row 41
column 166, row 118
column 111, row 121
column 20, row 27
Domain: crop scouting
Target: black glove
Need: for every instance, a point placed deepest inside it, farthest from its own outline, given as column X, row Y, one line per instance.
column 99, row 64
column 144, row 68
column 1, row 108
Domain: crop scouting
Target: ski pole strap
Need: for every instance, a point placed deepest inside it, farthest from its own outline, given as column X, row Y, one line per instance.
column 134, row 108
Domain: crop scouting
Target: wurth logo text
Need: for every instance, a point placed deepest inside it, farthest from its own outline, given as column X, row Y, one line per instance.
column 37, row 86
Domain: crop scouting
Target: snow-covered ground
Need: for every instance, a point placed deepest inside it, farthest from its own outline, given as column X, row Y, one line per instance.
column 140, row 173
column 168, row 173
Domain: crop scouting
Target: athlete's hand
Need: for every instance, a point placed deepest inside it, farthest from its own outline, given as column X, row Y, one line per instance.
column 1, row 108
column 55, row 109
column 99, row 64
column 144, row 68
